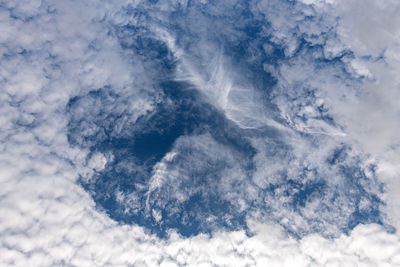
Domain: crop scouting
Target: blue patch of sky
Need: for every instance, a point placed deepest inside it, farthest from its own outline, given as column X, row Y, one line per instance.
column 184, row 112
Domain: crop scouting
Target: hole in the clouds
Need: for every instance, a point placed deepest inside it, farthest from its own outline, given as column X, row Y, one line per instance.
column 184, row 166
column 122, row 189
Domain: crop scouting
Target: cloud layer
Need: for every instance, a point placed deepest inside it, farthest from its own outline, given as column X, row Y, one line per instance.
column 305, row 160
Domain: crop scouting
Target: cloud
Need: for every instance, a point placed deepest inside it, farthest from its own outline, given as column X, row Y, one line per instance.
column 72, row 65
column 367, row 110
column 63, row 228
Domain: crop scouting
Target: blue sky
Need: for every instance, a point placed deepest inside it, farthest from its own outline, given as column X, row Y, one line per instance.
column 199, row 133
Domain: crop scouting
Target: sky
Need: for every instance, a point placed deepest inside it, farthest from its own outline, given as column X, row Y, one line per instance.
column 199, row 133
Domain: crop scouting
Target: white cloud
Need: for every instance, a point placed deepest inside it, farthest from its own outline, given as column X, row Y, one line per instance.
column 66, row 230
column 370, row 30
column 54, row 51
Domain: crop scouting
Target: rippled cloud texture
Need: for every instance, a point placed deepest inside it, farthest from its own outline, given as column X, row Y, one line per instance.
column 199, row 133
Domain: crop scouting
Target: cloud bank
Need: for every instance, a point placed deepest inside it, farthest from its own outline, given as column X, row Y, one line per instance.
column 306, row 161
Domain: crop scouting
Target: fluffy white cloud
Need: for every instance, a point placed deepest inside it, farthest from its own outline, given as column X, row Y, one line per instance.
column 48, row 220
column 54, row 50
column 369, row 115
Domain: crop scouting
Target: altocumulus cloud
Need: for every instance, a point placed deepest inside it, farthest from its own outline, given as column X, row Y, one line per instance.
column 305, row 165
